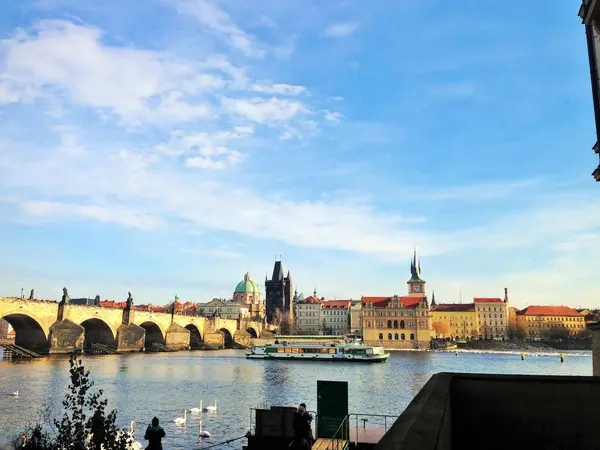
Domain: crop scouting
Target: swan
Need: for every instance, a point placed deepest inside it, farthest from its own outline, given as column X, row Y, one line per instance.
column 15, row 394
column 202, row 433
column 134, row 445
column 211, row 408
column 196, row 410
column 181, row 420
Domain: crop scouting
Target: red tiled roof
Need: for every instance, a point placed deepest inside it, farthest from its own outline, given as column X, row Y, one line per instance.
column 312, row 299
column 462, row 307
column 549, row 311
column 382, row 302
column 487, row 300
column 336, row 304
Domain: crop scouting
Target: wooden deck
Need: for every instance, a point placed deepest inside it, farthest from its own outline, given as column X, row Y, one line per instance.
column 330, row 444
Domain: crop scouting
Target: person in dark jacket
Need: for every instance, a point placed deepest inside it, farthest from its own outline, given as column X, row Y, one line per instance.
column 154, row 435
column 302, row 430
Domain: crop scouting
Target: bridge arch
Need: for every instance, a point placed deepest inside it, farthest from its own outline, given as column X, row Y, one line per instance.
column 195, row 335
column 97, row 331
column 29, row 332
column 252, row 332
column 227, row 338
column 154, row 334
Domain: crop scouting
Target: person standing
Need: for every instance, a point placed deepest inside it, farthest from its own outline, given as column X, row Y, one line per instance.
column 302, row 430
column 154, row 435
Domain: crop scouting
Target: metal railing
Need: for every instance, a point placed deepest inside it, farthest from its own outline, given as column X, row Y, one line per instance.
column 341, row 437
column 386, row 420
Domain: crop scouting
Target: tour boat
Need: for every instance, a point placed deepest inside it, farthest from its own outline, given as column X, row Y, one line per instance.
column 319, row 352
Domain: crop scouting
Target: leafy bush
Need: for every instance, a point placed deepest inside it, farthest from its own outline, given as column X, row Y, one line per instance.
column 84, row 424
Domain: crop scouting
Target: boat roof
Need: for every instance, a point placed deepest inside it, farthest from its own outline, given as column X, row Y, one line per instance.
column 316, row 344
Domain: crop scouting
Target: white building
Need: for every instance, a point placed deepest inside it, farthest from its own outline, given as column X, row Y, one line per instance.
column 225, row 310
column 308, row 316
column 336, row 317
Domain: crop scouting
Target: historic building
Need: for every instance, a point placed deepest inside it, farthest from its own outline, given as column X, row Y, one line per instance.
column 278, row 295
column 223, row 309
column 399, row 322
column 3, row 328
column 356, row 317
column 542, row 322
column 308, row 315
column 492, row 316
column 336, row 317
column 454, row 320
column 247, row 293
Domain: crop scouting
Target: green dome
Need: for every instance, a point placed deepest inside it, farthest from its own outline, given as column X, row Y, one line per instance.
column 247, row 285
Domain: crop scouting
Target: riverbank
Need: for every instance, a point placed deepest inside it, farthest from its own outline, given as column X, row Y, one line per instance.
column 526, row 345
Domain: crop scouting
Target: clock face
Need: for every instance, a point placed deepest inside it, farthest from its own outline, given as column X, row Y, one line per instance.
column 416, row 288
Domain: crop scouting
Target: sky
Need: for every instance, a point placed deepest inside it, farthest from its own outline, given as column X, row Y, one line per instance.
column 169, row 146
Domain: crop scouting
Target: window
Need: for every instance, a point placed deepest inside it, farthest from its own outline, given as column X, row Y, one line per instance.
column 402, row 337
column 396, row 336
column 412, row 337
column 396, row 325
column 389, row 324
column 402, row 325
column 380, row 336
column 389, row 336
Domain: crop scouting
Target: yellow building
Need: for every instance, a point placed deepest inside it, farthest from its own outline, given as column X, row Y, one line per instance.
column 454, row 320
column 399, row 322
column 541, row 322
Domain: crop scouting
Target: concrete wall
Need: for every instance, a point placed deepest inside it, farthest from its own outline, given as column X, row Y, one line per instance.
column 474, row 411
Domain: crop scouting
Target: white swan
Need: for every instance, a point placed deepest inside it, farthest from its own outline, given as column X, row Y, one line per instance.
column 196, row 410
column 202, row 433
column 181, row 420
column 134, row 445
column 15, row 394
column 211, row 408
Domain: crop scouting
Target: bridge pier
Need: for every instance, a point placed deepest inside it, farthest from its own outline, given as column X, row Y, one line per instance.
column 177, row 337
column 215, row 339
column 130, row 338
column 66, row 337
column 243, row 338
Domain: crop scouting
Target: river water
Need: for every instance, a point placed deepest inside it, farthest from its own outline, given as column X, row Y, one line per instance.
column 141, row 386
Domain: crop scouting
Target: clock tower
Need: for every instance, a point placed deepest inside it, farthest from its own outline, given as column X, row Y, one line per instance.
column 416, row 286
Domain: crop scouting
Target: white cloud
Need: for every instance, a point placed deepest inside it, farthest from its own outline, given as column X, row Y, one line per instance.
column 64, row 59
column 223, row 253
column 340, row 30
column 283, row 89
column 262, row 111
column 207, row 13
column 333, row 116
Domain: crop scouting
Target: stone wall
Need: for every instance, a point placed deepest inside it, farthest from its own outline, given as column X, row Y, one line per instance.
column 66, row 337
column 177, row 337
column 130, row 338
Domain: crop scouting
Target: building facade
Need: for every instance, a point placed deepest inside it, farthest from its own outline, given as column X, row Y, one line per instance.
column 223, row 309
column 308, row 316
column 590, row 15
column 399, row 322
column 356, row 317
column 3, row 329
column 454, row 320
column 543, row 322
column 492, row 317
column 336, row 317
column 247, row 293
column 278, row 295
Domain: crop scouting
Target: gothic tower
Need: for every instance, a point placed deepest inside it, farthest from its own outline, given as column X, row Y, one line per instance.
column 278, row 293
column 416, row 285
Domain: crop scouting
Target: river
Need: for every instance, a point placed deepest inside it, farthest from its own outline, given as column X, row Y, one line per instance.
column 141, row 386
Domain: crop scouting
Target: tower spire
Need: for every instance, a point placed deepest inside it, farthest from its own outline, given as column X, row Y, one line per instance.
column 505, row 295
column 433, row 298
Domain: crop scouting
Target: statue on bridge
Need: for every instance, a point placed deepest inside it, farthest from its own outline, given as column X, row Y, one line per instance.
column 65, row 297
column 31, row 295
column 97, row 300
column 129, row 301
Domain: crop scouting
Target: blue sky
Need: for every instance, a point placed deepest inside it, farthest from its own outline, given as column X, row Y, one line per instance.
column 169, row 146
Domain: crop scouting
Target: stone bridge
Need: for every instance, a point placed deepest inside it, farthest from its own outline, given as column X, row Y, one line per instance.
column 45, row 328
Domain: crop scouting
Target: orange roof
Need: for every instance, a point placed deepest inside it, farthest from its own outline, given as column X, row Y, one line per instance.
column 382, row 302
column 312, row 299
column 487, row 300
column 336, row 304
column 463, row 307
column 549, row 311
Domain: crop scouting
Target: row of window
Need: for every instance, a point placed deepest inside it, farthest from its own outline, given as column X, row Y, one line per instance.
column 335, row 313
column 396, row 312
column 402, row 337
column 489, row 308
column 557, row 319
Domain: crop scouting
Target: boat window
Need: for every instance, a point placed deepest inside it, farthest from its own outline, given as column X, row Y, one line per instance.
column 281, row 350
column 332, row 350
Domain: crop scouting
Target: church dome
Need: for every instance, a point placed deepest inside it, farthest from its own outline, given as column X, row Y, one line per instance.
column 247, row 285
